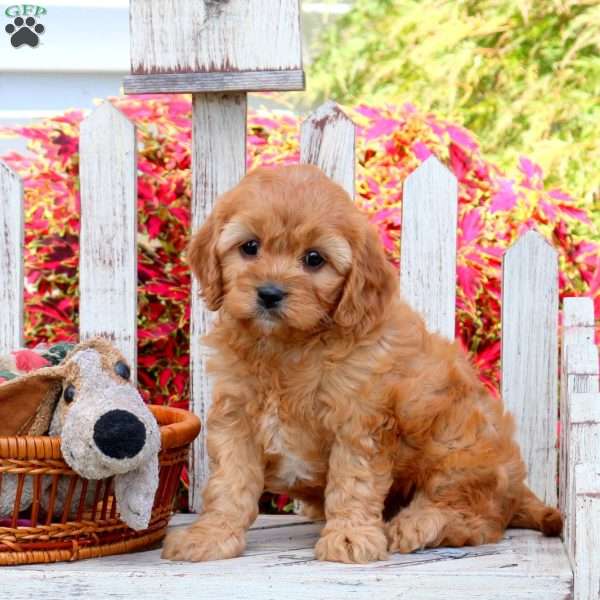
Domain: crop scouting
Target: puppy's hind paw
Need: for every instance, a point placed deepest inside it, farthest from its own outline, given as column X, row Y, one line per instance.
column 361, row 544
column 202, row 542
column 417, row 531
column 312, row 510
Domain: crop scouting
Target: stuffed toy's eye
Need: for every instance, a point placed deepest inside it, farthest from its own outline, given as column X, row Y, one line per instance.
column 122, row 370
column 69, row 393
column 313, row 260
column 250, row 248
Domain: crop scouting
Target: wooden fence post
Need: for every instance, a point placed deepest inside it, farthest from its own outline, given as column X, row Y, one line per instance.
column 580, row 447
column 11, row 260
column 327, row 140
column 218, row 163
column 428, row 245
column 214, row 46
column 579, row 374
column 108, row 238
column 208, row 48
column 530, row 356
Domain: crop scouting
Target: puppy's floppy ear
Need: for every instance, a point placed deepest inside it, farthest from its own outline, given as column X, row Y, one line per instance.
column 370, row 286
column 204, row 262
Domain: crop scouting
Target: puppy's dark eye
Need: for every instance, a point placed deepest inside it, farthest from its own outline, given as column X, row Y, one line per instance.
column 250, row 248
column 313, row 260
column 69, row 393
column 122, row 370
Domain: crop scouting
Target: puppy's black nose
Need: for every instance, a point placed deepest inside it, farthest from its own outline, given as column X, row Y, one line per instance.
column 119, row 434
column 269, row 296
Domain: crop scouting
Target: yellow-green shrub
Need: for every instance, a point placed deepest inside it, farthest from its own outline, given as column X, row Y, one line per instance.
column 523, row 76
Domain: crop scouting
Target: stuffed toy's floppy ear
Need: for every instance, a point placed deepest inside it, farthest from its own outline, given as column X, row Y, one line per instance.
column 26, row 406
column 27, row 402
column 135, row 491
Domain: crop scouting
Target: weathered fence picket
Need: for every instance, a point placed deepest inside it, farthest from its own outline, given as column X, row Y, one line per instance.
column 108, row 238
column 530, row 355
column 428, row 245
column 11, row 260
column 327, row 140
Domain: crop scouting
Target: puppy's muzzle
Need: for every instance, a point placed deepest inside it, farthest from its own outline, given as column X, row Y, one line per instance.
column 119, row 434
column 270, row 296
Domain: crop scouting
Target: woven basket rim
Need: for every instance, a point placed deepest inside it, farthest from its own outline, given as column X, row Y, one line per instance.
column 178, row 428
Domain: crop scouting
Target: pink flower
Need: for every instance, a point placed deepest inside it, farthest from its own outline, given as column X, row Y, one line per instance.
column 530, row 169
column 421, row 151
column 461, row 136
column 468, row 281
column 470, row 227
column 505, row 198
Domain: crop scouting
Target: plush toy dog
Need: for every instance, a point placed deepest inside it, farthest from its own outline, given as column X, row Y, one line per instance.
column 104, row 425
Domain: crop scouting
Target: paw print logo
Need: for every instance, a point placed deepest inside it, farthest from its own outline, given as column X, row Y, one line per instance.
column 24, row 31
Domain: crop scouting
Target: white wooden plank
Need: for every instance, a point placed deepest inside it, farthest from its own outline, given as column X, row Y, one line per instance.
column 278, row 581
column 218, row 163
column 587, row 535
column 214, row 35
column 577, row 329
column 530, row 356
column 108, row 250
column 428, row 245
column 11, row 260
column 242, row 81
column 279, row 562
column 327, row 140
column 292, row 542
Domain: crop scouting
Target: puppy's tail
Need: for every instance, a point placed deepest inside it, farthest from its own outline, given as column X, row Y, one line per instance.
column 532, row 513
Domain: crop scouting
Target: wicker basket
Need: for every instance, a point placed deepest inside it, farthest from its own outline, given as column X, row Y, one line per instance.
column 87, row 528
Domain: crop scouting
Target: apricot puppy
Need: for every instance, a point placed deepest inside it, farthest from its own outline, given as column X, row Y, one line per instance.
column 328, row 387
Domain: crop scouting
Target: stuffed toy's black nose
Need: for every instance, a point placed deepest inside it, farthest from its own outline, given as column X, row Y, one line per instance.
column 119, row 434
column 269, row 296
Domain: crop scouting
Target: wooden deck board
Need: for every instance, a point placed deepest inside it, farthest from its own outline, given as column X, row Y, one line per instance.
column 279, row 563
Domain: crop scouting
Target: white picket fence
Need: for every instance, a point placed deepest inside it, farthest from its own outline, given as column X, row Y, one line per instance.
column 530, row 385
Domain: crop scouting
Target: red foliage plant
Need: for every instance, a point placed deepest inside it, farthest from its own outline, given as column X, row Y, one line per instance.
column 494, row 209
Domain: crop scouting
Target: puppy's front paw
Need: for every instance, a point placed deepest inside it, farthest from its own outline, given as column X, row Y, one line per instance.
column 203, row 541
column 348, row 544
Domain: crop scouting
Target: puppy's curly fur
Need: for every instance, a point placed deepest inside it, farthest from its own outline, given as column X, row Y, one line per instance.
column 334, row 392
